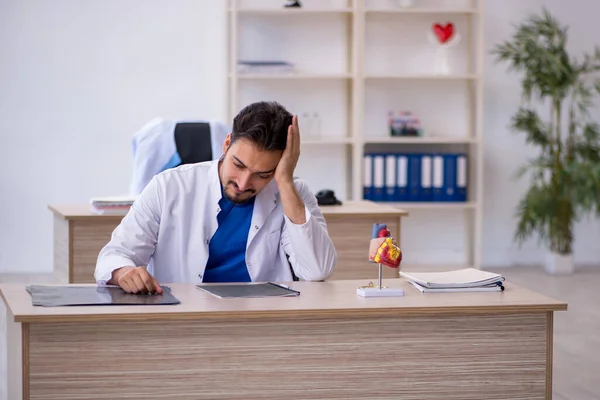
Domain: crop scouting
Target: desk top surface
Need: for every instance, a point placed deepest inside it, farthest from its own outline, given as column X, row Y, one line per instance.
column 362, row 207
column 336, row 298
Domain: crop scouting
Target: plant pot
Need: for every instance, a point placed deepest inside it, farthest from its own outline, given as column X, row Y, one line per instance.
column 559, row 264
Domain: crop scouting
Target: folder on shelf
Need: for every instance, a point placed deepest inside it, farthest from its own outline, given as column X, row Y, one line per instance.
column 449, row 177
column 438, row 178
column 401, row 178
column 378, row 177
column 390, row 177
column 414, row 177
column 461, row 280
column 426, row 175
column 461, row 177
column 368, row 177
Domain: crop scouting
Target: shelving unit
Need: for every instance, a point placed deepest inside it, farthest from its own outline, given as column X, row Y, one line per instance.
column 355, row 60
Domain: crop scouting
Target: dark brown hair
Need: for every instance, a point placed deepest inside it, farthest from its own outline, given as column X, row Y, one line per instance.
column 264, row 123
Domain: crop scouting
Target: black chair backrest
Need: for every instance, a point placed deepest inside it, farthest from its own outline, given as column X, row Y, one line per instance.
column 193, row 142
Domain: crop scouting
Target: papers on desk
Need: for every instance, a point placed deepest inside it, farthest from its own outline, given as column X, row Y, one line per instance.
column 56, row 296
column 462, row 280
column 268, row 289
column 112, row 205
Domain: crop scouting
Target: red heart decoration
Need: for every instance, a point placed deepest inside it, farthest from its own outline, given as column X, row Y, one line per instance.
column 444, row 33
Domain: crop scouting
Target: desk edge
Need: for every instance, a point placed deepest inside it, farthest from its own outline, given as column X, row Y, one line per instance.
column 279, row 314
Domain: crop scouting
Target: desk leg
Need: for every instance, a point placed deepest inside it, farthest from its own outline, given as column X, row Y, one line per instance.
column 13, row 379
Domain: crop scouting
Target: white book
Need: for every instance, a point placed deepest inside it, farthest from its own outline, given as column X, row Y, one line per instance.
column 112, row 201
column 487, row 288
column 461, row 278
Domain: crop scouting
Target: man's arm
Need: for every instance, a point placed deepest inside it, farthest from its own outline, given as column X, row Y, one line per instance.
column 306, row 239
column 132, row 244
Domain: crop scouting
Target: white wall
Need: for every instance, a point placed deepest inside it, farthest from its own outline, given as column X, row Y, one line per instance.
column 504, row 150
column 77, row 78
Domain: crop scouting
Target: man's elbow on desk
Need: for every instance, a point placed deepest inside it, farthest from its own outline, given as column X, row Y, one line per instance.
column 324, row 271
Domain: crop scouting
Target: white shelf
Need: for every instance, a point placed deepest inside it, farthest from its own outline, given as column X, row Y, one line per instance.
column 246, row 76
column 422, row 11
column 324, row 141
column 423, row 77
column 419, row 140
column 356, row 61
column 290, row 11
column 433, row 205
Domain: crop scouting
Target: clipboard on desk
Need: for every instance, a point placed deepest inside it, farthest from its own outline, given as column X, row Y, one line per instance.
column 251, row 290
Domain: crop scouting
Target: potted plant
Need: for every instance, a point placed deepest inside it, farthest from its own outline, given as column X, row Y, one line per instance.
column 558, row 91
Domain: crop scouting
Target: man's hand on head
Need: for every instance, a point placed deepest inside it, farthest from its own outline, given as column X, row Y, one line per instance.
column 293, row 206
column 135, row 280
column 284, row 173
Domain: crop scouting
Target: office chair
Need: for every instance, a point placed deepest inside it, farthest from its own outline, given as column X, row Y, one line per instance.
column 162, row 144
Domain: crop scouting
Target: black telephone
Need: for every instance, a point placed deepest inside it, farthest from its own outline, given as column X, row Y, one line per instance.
column 326, row 197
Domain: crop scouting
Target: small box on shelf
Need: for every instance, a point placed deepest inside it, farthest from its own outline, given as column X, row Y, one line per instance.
column 403, row 124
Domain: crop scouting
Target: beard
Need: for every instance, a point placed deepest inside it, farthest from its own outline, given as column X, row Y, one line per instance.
column 237, row 198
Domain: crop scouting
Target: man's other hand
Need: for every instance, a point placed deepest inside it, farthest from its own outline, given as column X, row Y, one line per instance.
column 135, row 280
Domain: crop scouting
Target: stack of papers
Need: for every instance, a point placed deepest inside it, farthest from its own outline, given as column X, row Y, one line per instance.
column 112, row 205
column 462, row 280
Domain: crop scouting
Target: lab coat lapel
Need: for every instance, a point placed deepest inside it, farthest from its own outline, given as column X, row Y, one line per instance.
column 265, row 203
column 213, row 207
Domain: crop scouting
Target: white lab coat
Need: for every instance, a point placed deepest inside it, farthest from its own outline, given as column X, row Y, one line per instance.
column 153, row 146
column 169, row 226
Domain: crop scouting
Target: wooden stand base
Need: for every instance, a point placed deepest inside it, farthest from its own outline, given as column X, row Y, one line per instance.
column 376, row 292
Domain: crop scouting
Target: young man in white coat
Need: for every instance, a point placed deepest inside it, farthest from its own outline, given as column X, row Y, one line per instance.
column 236, row 219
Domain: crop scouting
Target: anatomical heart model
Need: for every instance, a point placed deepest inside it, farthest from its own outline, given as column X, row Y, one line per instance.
column 384, row 251
column 382, row 248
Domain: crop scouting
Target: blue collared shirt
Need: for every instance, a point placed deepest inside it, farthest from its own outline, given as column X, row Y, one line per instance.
column 227, row 247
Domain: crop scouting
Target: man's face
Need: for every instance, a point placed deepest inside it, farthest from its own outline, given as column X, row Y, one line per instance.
column 246, row 170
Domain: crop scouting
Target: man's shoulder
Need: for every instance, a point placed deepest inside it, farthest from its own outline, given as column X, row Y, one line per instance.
column 186, row 170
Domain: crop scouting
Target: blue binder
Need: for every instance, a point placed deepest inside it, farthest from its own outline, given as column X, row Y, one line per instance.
column 390, row 179
column 438, row 178
column 426, row 178
column 414, row 177
column 378, row 177
column 368, row 177
column 461, row 177
column 401, row 178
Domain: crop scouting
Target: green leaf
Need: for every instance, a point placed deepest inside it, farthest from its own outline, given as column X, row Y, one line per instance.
column 528, row 122
column 533, row 213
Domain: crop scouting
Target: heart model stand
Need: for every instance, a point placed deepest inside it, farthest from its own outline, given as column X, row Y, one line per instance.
column 384, row 251
column 443, row 38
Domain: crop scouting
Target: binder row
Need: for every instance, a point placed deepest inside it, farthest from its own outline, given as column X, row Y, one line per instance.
column 412, row 177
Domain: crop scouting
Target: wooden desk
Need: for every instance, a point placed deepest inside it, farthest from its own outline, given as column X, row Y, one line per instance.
column 326, row 343
column 80, row 234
